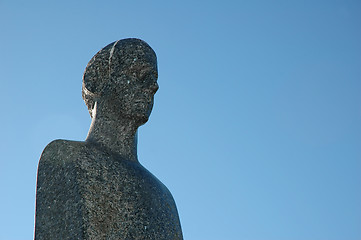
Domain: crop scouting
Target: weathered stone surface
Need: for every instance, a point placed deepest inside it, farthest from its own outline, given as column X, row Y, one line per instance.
column 97, row 189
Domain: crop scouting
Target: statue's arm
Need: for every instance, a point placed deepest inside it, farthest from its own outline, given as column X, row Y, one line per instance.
column 58, row 213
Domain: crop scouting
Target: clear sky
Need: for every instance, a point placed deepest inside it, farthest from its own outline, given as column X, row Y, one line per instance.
column 256, row 128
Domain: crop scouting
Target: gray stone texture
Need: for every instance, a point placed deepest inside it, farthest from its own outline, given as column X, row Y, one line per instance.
column 97, row 189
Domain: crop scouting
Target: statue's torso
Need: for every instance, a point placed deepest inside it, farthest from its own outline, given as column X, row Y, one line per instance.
column 101, row 196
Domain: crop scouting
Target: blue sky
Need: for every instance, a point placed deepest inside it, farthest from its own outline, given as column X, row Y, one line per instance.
column 256, row 128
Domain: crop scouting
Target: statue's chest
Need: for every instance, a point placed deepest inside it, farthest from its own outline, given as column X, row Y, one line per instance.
column 120, row 197
column 118, row 183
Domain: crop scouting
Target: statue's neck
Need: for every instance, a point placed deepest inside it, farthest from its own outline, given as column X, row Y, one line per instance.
column 114, row 133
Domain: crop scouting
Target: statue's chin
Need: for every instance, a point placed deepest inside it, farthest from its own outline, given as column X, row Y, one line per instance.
column 140, row 119
column 139, row 115
column 142, row 116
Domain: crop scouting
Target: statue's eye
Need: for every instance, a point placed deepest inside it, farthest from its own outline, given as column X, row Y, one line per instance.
column 143, row 74
column 147, row 75
column 143, row 78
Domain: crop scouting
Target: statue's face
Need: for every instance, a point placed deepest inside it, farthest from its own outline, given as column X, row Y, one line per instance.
column 135, row 89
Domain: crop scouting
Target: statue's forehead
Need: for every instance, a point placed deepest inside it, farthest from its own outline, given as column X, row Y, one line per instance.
column 135, row 57
column 144, row 64
column 134, row 62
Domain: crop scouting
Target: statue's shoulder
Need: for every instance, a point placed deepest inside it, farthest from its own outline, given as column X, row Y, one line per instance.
column 61, row 150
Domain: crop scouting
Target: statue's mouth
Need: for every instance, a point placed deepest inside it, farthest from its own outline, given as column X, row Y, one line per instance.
column 143, row 100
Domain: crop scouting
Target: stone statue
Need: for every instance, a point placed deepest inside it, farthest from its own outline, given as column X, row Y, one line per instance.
column 97, row 189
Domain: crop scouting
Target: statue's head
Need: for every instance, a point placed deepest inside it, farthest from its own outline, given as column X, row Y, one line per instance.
column 123, row 76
